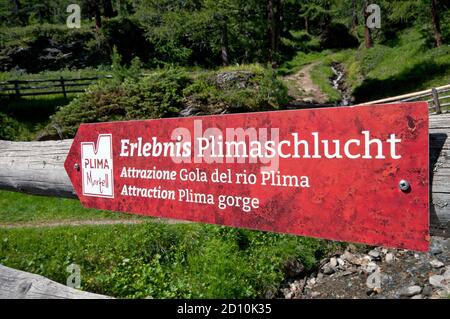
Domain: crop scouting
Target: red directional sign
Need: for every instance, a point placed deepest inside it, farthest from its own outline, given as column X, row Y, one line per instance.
column 356, row 174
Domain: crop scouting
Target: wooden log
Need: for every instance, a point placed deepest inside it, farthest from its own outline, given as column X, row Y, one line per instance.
column 38, row 168
column 35, row 168
column 17, row 284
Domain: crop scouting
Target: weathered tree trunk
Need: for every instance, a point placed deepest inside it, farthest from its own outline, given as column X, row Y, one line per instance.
column 354, row 15
column 16, row 284
column 16, row 7
column 35, row 168
column 38, row 168
column 272, row 31
column 224, row 42
column 98, row 18
column 108, row 10
column 367, row 35
column 436, row 23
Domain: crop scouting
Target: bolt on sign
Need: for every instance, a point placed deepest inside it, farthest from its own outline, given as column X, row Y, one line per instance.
column 357, row 174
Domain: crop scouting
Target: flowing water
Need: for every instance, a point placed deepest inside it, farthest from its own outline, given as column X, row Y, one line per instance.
column 338, row 82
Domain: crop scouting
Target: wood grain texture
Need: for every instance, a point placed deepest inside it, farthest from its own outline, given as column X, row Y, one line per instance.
column 440, row 174
column 38, row 168
column 16, row 284
column 35, row 168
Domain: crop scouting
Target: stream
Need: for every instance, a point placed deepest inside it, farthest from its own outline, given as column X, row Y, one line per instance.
column 338, row 82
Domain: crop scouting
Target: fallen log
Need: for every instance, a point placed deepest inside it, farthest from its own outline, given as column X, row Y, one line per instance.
column 17, row 284
column 38, row 168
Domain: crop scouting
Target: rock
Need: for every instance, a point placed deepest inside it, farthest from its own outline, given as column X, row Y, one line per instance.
column 294, row 268
column 327, row 269
column 427, row 291
column 365, row 260
column 436, row 263
column 333, row 262
column 410, row 291
column 375, row 254
column 446, row 274
column 437, row 281
column 189, row 111
column 389, row 258
column 341, row 262
column 315, row 294
column 444, row 293
column 374, row 280
column 351, row 258
column 239, row 79
column 417, row 297
column 436, row 246
column 370, row 267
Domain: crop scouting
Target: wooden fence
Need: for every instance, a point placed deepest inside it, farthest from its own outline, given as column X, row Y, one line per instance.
column 19, row 88
column 438, row 99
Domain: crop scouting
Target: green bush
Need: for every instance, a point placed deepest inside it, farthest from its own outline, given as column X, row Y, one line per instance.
column 11, row 129
column 165, row 92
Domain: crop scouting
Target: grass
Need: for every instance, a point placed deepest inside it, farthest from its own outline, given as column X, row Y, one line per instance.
column 148, row 259
column 301, row 59
column 406, row 64
column 159, row 260
column 321, row 75
column 391, row 69
column 19, row 208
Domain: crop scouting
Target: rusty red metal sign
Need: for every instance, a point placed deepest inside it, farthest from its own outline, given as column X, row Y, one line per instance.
column 357, row 174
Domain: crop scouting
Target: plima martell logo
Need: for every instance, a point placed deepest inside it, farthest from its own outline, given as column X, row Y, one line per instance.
column 97, row 167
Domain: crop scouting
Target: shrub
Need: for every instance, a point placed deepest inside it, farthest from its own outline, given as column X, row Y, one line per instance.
column 11, row 129
column 166, row 92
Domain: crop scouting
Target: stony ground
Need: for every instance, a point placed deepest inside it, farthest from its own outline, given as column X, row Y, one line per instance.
column 376, row 273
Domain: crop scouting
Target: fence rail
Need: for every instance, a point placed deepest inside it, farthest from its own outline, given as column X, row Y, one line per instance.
column 438, row 99
column 61, row 85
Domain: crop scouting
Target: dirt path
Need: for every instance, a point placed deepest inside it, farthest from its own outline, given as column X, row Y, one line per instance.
column 302, row 88
column 98, row 222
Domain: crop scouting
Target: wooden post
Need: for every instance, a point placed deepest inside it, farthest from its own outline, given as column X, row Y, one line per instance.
column 437, row 106
column 16, row 88
column 61, row 80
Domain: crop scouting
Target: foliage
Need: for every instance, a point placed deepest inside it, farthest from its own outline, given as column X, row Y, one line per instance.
column 321, row 75
column 11, row 129
column 165, row 92
column 407, row 67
